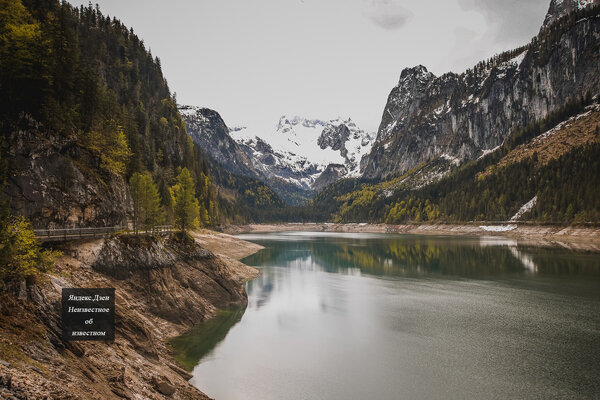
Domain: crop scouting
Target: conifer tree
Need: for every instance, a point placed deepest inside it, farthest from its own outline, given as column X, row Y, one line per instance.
column 147, row 208
column 137, row 193
column 185, row 203
column 203, row 215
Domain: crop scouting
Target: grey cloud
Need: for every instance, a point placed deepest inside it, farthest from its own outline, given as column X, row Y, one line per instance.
column 464, row 35
column 509, row 19
column 387, row 14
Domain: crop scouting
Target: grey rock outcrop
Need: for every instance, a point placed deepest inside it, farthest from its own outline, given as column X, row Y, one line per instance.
column 334, row 137
column 54, row 183
column 207, row 129
column 460, row 116
column 332, row 174
column 560, row 8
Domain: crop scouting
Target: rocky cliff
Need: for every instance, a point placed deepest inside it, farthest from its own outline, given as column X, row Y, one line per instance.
column 57, row 183
column 162, row 288
column 333, row 173
column 460, row 117
column 560, row 8
column 208, row 130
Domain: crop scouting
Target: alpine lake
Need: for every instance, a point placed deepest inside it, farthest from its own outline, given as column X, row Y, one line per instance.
column 381, row 316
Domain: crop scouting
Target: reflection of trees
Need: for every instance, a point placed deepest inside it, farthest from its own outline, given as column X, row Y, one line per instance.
column 557, row 261
column 279, row 253
column 393, row 256
column 417, row 256
column 192, row 346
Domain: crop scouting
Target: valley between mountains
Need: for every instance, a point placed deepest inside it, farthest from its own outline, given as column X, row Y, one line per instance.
column 441, row 140
column 92, row 137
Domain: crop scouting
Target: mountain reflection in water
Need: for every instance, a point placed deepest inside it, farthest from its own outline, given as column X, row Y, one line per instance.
column 354, row 316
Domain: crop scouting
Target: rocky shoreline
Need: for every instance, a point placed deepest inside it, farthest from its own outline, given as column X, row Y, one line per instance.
column 163, row 287
column 576, row 238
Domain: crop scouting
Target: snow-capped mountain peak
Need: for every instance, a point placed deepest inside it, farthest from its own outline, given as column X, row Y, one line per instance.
column 285, row 122
column 300, row 149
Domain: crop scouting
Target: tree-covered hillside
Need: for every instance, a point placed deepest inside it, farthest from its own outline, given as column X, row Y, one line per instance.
column 84, row 106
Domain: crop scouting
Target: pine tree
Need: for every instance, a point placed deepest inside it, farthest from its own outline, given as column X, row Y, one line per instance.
column 185, row 203
column 203, row 215
column 155, row 214
column 111, row 144
column 137, row 193
column 167, row 200
column 147, row 208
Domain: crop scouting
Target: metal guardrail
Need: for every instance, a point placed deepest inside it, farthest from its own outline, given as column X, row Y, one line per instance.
column 155, row 230
column 96, row 232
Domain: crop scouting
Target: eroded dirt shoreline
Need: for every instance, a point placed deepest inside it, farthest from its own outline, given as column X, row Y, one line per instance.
column 163, row 288
column 575, row 238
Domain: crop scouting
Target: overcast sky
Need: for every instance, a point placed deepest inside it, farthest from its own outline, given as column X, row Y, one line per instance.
column 255, row 60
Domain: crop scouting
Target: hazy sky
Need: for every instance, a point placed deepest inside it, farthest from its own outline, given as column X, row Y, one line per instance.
column 255, row 60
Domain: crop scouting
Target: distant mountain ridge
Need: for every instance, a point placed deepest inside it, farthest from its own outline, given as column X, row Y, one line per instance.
column 208, row 130
column 293, row 158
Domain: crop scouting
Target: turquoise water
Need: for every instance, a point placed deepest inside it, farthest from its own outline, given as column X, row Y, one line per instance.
column 363, row 316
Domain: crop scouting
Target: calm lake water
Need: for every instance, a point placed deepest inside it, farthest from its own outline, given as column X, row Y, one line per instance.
column 364, row 316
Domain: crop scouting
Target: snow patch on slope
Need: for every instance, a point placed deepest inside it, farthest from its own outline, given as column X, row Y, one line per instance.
column 525, row 209
column 453, row 160
column 488, row 151
column 498, row 228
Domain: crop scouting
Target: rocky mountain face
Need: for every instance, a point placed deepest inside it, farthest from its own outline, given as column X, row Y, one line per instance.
column 297, row 157
column 459, row 117
column 207, row 129
column 332, row 174
column 51, row 183
column 560, row 8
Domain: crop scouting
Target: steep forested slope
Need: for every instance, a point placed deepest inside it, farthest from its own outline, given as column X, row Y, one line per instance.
column 84, row 106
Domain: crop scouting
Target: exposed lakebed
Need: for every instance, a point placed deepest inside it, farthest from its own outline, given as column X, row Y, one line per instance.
column 354, row 316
